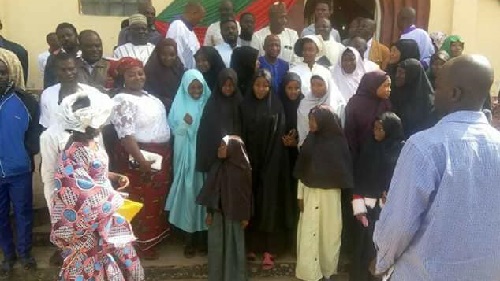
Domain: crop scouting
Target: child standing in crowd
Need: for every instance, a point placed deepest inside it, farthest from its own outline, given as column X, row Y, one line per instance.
column 210, row 64
column 221, row 117
column 371, row 100
column 323, row 168
column 184, row 119
column 263, row 126
column 373, row 171
column 228, row 196
column 319, row 95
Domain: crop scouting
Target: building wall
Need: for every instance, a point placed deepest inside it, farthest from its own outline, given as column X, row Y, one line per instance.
column 27, row 22
column 475, row 21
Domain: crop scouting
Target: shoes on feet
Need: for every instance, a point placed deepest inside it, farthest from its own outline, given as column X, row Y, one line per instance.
column 7, row 267
column 29, row 263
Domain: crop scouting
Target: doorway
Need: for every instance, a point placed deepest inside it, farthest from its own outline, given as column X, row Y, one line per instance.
column 344, row 12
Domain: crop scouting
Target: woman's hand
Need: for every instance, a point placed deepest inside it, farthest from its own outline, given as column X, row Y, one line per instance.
column 188, row 119
column 123, row 182
column 300, row 203
column 362, row 219
column 244, row 224
column 209, row 219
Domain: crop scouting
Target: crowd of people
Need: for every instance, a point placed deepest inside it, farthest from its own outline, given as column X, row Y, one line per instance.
column 252, row 144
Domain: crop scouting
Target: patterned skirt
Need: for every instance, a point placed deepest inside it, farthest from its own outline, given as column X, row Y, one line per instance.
column 150, row 225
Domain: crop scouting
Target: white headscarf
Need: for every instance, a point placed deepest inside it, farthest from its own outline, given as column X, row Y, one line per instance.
column 93, row 116
column 319, row 43
column 332, row 98
column 348, row 83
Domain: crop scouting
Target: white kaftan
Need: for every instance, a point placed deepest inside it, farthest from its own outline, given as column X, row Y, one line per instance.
column 141, row 53
column 333, row 50
column 318, row 233
column 288, row 39
column 213, row 36
column 187, row 42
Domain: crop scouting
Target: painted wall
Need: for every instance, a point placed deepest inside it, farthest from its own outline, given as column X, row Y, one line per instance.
column 475, row 21
column 27, row 22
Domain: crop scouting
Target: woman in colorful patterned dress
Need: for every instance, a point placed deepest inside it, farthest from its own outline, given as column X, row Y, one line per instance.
column 96, row 242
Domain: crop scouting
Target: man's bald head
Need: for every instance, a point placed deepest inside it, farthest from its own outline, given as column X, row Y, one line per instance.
column 226, row 9
column 367, row 28
column 406, row 18
column 272, row 46
column 464, row 83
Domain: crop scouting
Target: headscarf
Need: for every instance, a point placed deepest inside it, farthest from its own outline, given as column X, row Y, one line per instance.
column 308, row 103
column 93, row 116
column 298, row 49
column 221, row 117
column 438, row 38
column 14, row 67
column 414, row 102
column 324, row 160
column 290, row 106
column 163, row 81
column 439, row 55
column 364, row 108
column 184, row 103
column 348, row 83
column 243, row 61
column 408, row 49
column 229, row 183
column 216, row 65
column 374, row 168
column 448, row 41
column 127, row 63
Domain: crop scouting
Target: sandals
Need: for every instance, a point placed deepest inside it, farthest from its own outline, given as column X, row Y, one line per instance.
column 267, row 261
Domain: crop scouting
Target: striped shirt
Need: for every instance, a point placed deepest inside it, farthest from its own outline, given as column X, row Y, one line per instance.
column 141, row 53
column 442, row 221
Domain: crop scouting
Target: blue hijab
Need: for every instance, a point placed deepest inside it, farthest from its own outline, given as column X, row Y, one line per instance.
column 184, row 212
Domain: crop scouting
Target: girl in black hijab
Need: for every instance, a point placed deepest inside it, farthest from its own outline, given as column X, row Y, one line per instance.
column 372, row 176
column 221, row 117
column 227, row 194
column 263, row 126
column 210, row 64
column 415, row 95
column 323, row 168
column 244, row 62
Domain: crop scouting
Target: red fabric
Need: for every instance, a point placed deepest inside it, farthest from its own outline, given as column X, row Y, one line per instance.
column 150, row 225
column 260, row 9
column 127, row 63
column 356, row 196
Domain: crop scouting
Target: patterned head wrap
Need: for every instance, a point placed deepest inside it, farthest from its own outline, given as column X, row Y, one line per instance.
column 14, row 67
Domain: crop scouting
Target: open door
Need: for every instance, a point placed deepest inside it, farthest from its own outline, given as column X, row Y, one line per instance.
column 389, row 32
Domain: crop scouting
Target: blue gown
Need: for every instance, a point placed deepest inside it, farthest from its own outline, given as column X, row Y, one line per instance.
column 181, row 202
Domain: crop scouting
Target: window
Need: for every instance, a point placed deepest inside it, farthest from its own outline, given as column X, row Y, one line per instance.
column 118, row 8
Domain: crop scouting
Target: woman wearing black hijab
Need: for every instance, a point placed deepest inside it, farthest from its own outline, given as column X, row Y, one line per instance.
column 415, row 104
column 164, row 72
column 221, row 117
column 210, row 64
column 244, row 62
column 263, row 126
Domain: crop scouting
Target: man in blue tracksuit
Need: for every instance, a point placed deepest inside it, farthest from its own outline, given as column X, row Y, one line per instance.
column 19, row 142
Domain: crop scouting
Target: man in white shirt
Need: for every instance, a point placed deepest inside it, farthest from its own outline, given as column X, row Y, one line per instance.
column 229, row 31
column 277, row 23
column 361, row 46
column 247, row 21
column 213, row 37
column 53, row 43
column 406, row 25
column 332, row 49
column 139, row 47
column 181, row 30
column 55, row 137
column 322, row 10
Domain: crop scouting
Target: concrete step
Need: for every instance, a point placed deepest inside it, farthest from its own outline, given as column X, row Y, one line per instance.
column 170, row 266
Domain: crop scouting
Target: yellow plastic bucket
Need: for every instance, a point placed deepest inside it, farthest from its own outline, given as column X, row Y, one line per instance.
column 129, row 209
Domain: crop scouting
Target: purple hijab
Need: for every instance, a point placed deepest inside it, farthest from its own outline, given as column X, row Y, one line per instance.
column 363, row 108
